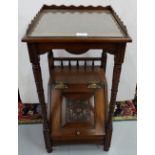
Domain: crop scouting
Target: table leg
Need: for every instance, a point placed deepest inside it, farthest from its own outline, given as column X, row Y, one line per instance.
column 40, row 91
column 118, row 60
column 104, row 60
column 50, row 61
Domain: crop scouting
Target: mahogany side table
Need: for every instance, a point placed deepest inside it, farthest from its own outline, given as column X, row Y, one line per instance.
column 77, row 29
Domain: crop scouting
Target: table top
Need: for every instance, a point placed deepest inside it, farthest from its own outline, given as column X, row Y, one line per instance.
column 72, row 22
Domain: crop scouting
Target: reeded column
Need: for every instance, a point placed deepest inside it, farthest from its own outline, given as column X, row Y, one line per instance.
column 34, row 58
column 104, row 60
column 118, row 60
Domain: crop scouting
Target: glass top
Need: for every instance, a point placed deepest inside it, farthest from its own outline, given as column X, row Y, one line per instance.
column 76, row 23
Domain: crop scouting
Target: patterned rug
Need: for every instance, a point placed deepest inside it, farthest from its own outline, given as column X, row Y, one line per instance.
column 31, row 113
column 125, row 110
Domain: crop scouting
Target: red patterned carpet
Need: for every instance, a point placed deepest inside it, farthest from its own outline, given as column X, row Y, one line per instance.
column 31, row 113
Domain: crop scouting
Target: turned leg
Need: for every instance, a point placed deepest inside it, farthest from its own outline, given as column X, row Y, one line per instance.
column 40, row 91
column 118, row 60
column 50, row 61
column 108, row 139
column 104, row 60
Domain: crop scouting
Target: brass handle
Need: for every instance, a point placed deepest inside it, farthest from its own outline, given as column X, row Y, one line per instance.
column 60, row 85
column 94, row 85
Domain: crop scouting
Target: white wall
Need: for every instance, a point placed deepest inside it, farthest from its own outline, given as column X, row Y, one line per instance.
column 126, row 9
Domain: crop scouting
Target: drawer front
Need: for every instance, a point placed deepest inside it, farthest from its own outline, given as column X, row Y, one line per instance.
column 79, row 113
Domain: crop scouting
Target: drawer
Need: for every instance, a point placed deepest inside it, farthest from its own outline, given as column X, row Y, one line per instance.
column 77, row 114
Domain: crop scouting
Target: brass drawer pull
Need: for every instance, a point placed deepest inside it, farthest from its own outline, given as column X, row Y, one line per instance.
column 78, row 132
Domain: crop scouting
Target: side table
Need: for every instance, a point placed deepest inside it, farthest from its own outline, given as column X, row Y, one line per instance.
column 77, row 29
